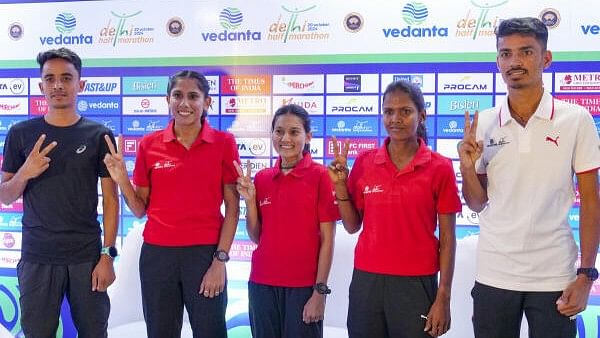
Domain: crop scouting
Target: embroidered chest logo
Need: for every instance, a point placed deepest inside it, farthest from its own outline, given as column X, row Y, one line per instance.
column 81, row 149
column 163, row 164
column 496, row 143
column 372, row 190
column 552, row 140
column 265, row 201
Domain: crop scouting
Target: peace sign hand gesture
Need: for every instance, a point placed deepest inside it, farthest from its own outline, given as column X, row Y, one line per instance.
column 114, row 161
column 245, row 187
column 37, row 162
column 469, row 150
column 338, row 168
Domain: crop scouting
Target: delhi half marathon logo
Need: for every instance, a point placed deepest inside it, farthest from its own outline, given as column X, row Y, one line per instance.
column 123, row 32
column 480, row 24
column 65, row 24
column 295, row 28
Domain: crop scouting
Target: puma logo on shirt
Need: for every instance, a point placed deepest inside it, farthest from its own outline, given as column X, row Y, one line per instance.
column 553, row 140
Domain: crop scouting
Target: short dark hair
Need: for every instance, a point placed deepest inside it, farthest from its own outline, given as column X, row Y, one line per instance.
column 60, row 53
column 523, row 26
column 295, row 110
column 415, row 95
column 201, row 82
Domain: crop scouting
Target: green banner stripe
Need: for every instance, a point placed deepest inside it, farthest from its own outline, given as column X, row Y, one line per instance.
column 302, row 59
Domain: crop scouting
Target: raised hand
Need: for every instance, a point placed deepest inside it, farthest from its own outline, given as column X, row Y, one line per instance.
column 338, row 168
column 37, row 162
column 469, row 150
column 114, row 161
column 245, row 187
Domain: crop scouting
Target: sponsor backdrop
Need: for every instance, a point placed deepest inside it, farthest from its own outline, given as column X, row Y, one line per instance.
column 333, row 58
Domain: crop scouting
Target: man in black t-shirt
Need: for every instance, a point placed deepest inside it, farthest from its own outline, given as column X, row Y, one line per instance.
column 54, row 162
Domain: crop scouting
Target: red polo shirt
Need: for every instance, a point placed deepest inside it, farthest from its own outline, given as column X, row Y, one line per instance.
column 291, row 207
column 400, row 209
column 186, row 186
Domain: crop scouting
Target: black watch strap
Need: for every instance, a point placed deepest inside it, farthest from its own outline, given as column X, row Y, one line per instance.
column 221, row 256
column 590, row 273
column 322, row 288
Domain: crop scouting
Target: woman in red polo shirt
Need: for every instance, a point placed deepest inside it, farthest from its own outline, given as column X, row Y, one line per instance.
column 291, row 215
column 182, row 175
column 397, row 194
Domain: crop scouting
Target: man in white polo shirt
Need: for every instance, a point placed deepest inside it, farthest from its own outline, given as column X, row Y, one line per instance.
column 517, row 161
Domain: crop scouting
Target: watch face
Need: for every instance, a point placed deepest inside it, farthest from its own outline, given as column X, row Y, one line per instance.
column 323, row 289
column 221, row 256
column 112, row 251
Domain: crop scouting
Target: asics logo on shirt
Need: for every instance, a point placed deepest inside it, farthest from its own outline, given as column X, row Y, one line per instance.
column 265, row 201
column 553, row 140
column 163, row 164
column 81, row 149
column 371, row 190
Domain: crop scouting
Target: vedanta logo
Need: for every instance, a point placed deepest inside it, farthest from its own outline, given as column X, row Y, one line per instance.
column 231, row 19
column 65, row 23
column 415, row 14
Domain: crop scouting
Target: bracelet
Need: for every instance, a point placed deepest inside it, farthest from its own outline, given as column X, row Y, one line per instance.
column 342, row 199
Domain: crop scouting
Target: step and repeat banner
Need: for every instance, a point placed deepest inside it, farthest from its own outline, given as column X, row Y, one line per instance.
column 333, row 58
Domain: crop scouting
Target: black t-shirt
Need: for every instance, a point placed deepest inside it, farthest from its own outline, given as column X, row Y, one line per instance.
column 60, row 219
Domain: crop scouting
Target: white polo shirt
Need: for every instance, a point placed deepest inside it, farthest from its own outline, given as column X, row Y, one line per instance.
column 526, row 243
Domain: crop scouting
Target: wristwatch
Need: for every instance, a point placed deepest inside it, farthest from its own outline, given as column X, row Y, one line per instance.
column 590, row 273
column 221, row 256
column 322, row 288
column 110, row 251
